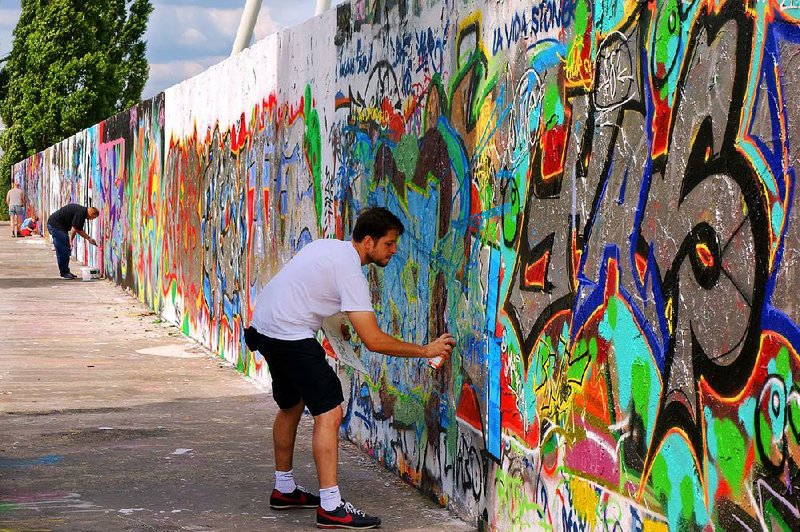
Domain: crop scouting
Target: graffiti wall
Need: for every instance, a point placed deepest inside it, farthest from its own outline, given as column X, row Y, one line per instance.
column 599, row 202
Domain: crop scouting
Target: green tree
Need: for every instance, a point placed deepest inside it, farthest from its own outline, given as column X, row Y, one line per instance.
column 72, row 64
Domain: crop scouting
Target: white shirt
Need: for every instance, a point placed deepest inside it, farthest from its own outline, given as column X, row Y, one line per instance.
column 14, row 197
column 323, row 279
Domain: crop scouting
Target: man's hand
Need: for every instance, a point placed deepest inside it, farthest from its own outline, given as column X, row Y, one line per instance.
column 92, row 241
column 441, row 347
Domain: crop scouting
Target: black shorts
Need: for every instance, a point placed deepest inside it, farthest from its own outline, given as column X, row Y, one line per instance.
column 299, row 372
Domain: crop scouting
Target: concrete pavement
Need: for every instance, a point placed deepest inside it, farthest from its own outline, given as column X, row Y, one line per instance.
column 112, row 420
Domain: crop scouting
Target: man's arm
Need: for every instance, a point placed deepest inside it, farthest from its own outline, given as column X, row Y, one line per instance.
column 81, row 232
column 376, row 340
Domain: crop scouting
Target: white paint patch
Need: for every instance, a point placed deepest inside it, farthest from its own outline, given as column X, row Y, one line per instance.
column 128, row 511
column 182, row 451
column 173, row 351
column 202, row 103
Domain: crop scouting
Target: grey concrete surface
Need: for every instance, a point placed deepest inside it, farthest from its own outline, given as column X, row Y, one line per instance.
column 112, row 420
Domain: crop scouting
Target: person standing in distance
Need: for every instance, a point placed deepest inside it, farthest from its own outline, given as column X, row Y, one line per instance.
column 15, row 200
column 64, row 224
column 323, row 279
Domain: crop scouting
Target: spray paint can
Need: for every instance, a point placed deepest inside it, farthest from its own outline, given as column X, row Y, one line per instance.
column 435, row 362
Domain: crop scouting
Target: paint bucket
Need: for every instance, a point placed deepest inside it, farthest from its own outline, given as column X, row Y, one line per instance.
column 87, row 274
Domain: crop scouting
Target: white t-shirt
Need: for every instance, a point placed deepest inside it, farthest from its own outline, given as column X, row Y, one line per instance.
column 323, row 279
column 14, row 197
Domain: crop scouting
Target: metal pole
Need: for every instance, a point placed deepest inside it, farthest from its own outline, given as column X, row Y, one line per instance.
column 322, row 6
column 245, row 32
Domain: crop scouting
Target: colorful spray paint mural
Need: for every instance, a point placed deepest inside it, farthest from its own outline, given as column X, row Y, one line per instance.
column 599, row 200
column 115, row 165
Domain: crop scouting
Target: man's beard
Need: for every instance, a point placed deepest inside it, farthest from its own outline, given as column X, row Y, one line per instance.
column 376, row 262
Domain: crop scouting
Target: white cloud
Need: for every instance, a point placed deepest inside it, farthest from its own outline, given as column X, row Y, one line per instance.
column 186, row 32
column 224, row 21
column 177, row 31
column 265, row 25
column 191, row 36
column 184, row 40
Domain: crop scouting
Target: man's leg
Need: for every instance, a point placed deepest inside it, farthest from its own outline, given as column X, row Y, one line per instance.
column 325, row 444
column 333, row 511
column 61, row 242
column 284, row 432
column 14, row 224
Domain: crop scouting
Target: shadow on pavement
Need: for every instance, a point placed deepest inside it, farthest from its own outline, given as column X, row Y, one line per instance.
column 36, row 282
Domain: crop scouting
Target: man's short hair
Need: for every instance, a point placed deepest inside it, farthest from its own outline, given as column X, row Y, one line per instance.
column 376, row 222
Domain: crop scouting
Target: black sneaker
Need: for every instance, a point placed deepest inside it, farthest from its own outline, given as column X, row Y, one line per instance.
column 346, row 516
column 299, row 498
column 69, row 276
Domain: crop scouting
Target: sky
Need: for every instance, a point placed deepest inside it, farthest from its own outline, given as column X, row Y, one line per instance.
column 185, row 37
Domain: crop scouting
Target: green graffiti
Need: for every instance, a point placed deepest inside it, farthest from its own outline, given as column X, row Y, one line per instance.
column 667, row 46
column 783, row 364
column 406, row 155
column 730, row 453
column 312, row 144
column 408, row 409
column 687, row 502
column 793, row 419
column 582, row 17
column 185, row 329
column 552, row 106
column 774, row 519
column 510, row 221
column 642, row 392
column 512, row 498
column 454, row 152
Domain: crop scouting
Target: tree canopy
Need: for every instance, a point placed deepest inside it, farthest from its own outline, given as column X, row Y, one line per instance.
column 72, row 64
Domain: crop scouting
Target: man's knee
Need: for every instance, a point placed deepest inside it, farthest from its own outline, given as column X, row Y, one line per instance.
column 332, row 417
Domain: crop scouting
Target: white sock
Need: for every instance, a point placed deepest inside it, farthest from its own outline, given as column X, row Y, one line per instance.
column 284, row 481
column 330, row 498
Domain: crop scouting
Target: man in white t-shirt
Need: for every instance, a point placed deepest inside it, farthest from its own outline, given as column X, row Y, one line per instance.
column 323, row 279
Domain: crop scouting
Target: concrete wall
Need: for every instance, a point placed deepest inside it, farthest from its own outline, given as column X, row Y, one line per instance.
column 600, row 206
